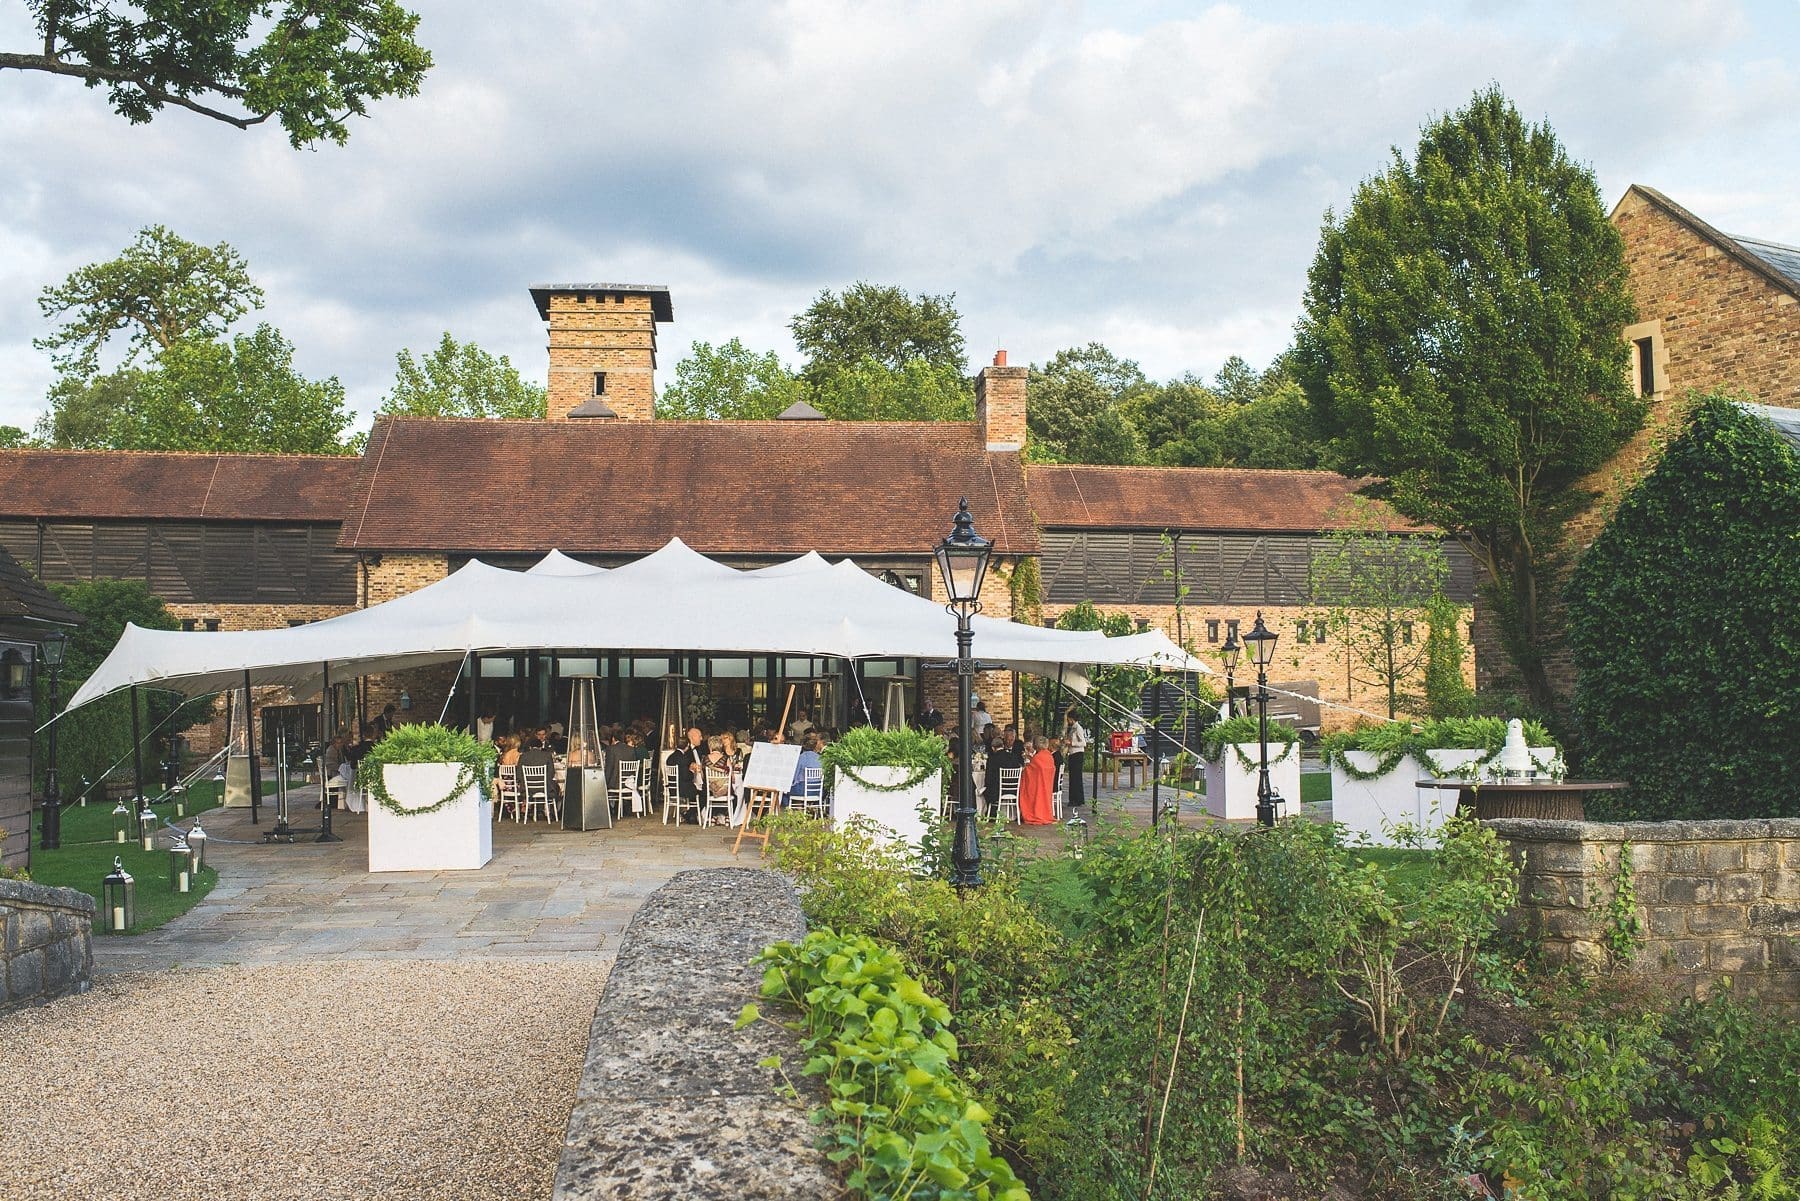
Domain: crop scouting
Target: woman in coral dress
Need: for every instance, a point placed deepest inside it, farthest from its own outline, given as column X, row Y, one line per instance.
column 1037, row 786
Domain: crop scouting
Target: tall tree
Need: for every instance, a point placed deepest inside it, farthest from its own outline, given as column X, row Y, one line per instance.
column 884, row 323
column 1373, row 589
column 460, row 379
column 728, row 383
column 309, row 64
column 1069, row 394
column 12, row 437
column 915, row 391
column 162, row 289
column 1462, row 339
column 241, row 395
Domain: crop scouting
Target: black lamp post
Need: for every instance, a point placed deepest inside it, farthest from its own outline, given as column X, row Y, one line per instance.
column 1228, row 655
column 962, row 561
column 1262, row 649
column 50, row 837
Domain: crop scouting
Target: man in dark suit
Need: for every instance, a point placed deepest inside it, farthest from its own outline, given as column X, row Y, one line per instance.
column 541, row 756
column 1008, row 752
column 688, row 763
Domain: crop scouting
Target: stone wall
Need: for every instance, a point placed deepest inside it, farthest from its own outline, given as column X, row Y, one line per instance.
column 1715, row 899
column 673, row 1101
column 46, row 948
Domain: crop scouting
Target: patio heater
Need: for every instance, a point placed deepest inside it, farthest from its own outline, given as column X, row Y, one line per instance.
column 586, row 804
column 671, row 725
column 1262, row 648
column 1228, row 658
column 118, row 899
column 893, row 704
column 962, row 560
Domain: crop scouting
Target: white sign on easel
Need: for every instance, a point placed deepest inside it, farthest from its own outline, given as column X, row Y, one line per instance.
column 771, row 767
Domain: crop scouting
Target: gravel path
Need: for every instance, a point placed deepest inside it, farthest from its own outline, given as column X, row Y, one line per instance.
column 447, row 1081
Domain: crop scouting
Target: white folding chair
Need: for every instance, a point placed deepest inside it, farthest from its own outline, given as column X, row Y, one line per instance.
column 1008, row 806
column 1062, row 788
column 812, row 792
column 675, row 803
column 717, row 799
column 506, row 791
column 534, row 781
column 628, row 793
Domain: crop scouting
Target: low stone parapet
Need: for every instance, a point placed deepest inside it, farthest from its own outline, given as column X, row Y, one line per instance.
column 673, row 1102
column 46, row 942
column 1714, row 899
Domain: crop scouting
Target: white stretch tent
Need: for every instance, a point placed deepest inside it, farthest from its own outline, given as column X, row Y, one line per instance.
column 673, row 599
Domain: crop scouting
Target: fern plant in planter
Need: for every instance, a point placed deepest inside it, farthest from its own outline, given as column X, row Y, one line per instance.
column 1234, row 766
column 894, row 778
column 429, row 785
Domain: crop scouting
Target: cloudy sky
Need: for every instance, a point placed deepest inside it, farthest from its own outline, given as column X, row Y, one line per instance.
column 1150, row 175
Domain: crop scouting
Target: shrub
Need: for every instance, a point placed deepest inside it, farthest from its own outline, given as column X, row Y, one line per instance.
column 901, row 1121
column 1684, row 619
column 427, row 742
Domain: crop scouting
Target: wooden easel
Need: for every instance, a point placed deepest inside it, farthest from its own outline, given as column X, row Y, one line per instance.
column 758, row 802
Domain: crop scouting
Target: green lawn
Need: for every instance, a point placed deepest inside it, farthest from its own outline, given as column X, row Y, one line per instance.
column 1315, row 786
column 86, row 856
column 1403, row 865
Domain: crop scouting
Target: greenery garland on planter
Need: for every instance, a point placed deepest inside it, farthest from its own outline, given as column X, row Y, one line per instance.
column 919, row 753
column 1393, row 741
column 427, row 743
column 1244, row 729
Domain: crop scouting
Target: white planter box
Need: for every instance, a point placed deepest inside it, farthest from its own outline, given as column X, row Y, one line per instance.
column 1231, row 787
column 895, row 812
column 1368, row 809
column 460, row 836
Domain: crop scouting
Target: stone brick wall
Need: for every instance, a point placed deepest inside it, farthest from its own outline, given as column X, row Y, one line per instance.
column 1000, row 403
column 1715, row 899
column 46, row 948
column 1340, row 682
column 611, row 333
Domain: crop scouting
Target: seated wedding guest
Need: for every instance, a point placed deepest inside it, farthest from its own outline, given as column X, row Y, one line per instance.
column 1037, row 786
column 540, row 756
column 484, row 726
column 798, row 728
column 335, row 763
column 687, row 763
column 509, row 750
column 1007, row 752
column 735, row 753
column 720, row 771
column 555, row 739
column 809, row 757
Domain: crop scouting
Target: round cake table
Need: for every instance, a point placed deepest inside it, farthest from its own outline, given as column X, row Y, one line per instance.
column 1558, row 800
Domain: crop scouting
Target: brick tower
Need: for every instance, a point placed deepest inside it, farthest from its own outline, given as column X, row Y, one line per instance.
column 602, row 347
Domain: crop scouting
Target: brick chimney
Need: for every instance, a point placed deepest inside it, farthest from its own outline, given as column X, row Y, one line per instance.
column 1000, row 404
column 602, row 348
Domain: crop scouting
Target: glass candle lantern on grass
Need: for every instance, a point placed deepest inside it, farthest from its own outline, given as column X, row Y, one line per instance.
column 196, row 844
column 118, row 899
column 181, row 866
column 121, row 819
column 146, row 822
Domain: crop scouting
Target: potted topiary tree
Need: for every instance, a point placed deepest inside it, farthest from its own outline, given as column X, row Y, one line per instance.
column 892, row 777
column 1232, row 753
column 430, row 809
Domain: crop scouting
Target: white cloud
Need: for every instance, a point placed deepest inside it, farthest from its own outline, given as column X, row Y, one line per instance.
column 1071, row 172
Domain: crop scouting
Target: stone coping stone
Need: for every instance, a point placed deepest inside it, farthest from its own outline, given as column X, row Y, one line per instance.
column 673, row 1102
column 27, row 892
column 1530, row 829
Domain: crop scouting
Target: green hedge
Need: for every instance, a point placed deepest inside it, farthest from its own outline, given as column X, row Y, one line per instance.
column 1684, row 619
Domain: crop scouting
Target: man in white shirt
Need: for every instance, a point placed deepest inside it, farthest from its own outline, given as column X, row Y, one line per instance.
column 798, row 728
column 1075, row 741
column 980, row 717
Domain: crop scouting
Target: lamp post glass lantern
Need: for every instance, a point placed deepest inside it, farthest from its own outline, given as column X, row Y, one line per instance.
column 56, row 643
column 1262, row 649
column 962, row 560
column 118, row 899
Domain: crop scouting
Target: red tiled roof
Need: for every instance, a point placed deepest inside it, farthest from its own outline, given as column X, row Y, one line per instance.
column 1191, row 498
column 174, row 485
column 739, row 487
